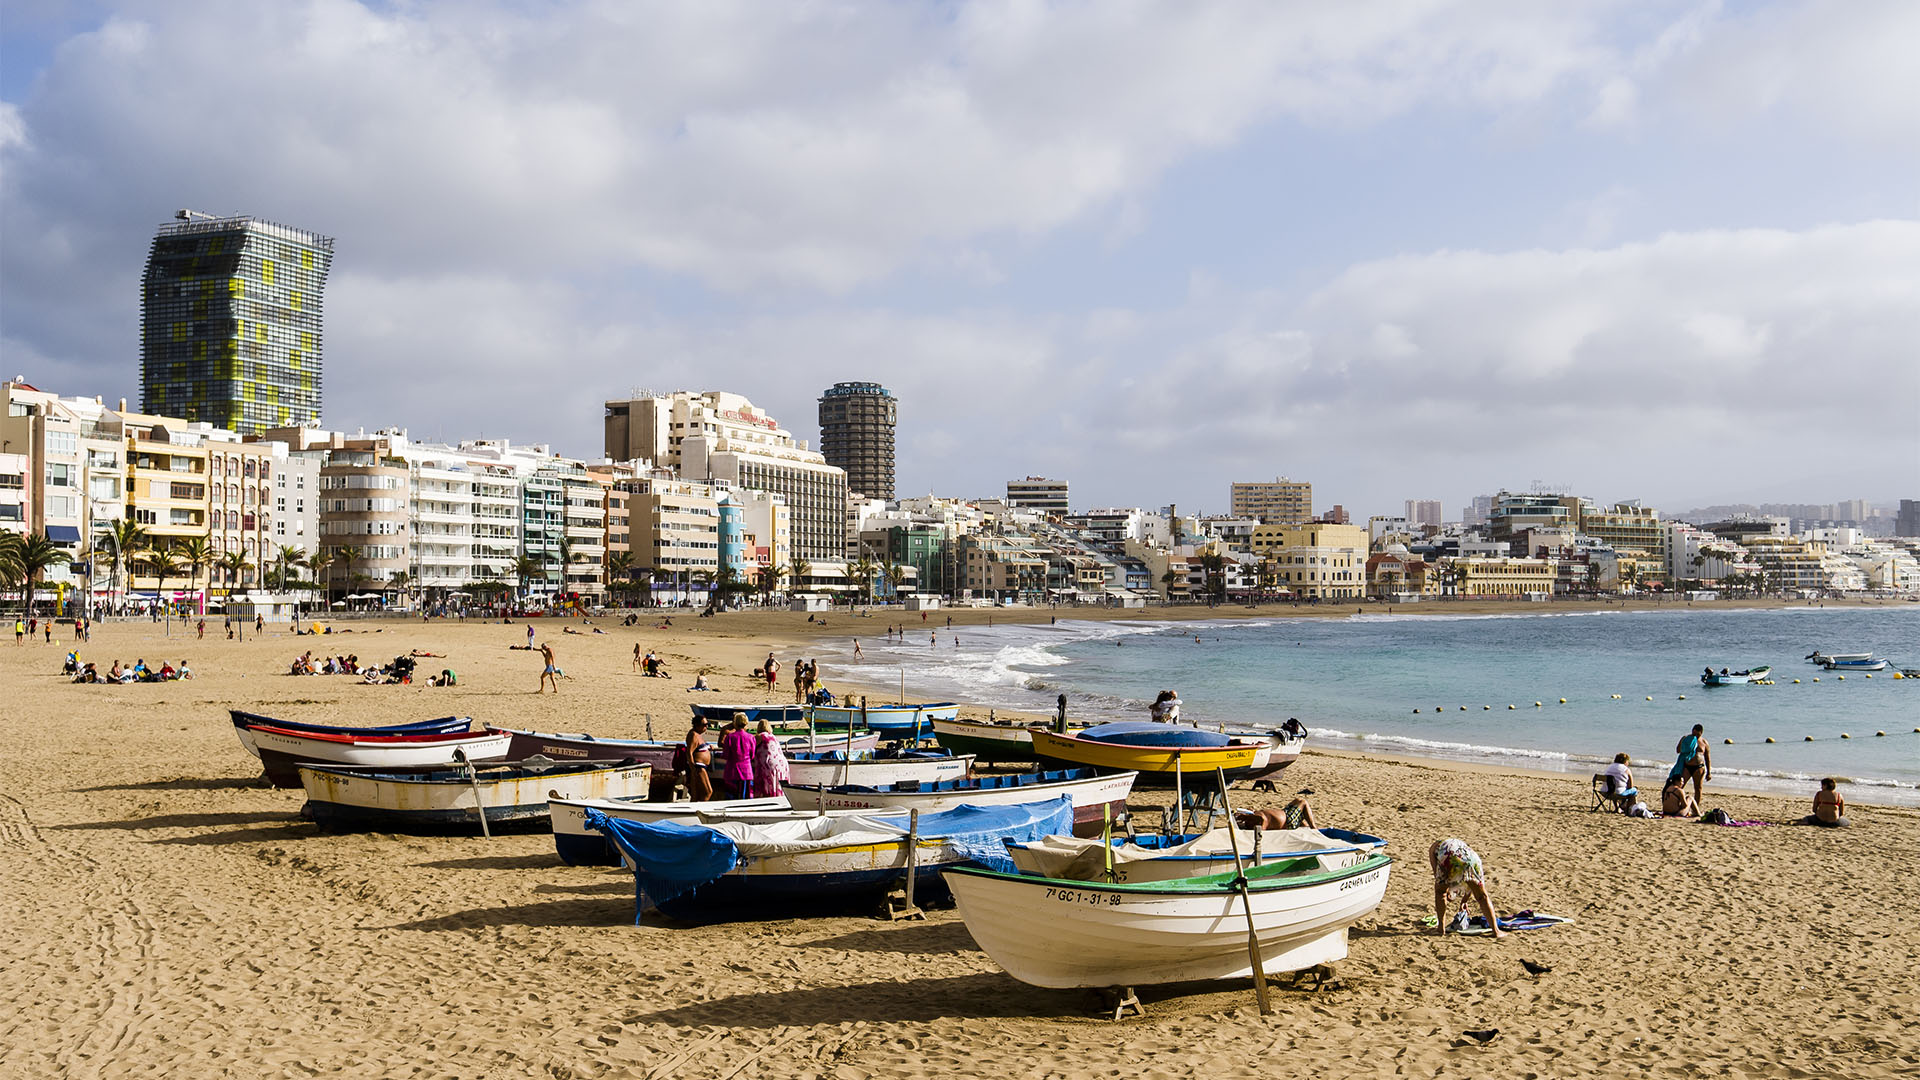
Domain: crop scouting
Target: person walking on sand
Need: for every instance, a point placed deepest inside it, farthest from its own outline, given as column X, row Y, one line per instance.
column 1692, row 759
column 259, row 623
column 1457, row 874
column 549, row 672
column 636, row 654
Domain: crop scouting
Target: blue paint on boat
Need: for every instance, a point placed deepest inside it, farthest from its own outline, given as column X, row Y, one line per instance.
column 417, row 727
column 1148, row 733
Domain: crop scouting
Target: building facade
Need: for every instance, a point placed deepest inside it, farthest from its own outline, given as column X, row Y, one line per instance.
column 230, row 322
column 857, row 421
column 1282, row 502
column 1039, row 493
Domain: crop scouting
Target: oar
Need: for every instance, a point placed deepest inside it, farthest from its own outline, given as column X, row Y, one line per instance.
column 473, row 779
column 1246, row 902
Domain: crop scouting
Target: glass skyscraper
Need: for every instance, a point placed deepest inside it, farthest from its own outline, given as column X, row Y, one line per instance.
column 230, row 322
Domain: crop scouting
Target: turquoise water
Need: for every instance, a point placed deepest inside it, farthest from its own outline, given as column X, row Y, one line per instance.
column 1356, row 682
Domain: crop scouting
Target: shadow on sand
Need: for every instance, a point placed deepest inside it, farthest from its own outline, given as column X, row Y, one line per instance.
column 183, row 783
column 608, row 911
column 907, row 939
column 544, row 861
column 986, row 995
column 188, row 821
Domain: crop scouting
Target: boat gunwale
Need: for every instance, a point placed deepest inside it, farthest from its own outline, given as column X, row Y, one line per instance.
column 1258, row 880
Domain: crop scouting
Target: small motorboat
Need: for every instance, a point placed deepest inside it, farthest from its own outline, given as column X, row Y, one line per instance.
column 1864, row 664
column 1819, row 657
column 1723, row 677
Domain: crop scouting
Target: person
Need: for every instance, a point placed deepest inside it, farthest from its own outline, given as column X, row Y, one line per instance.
column 549, row 672
column 1674, row 800
column 19, row 632
column 1457, row 874
column 1157, row 712
column 1619, row 777
column 1293, row 728
column 47, row 629
column 932, row 638
column 167, row 674
column 772, row 672
column 259, row 622
column 699, row 683
column 202, row 628
column 857, row 654
column 737, row 747
column 1692, row 760
column 696, row 758
column 636, row 654
column 1297, row 814
column 529, row 635
column 1829, row 807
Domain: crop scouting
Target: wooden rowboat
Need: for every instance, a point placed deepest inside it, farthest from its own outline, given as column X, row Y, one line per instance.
column 658, row 753
column 418, row 727
column 833, row 768
column 281, row 751
column 1096, row 797
column 1060, row 933
column 578, row 845
column 991, row 742
column 343, row 798
column 1152, row 857
column 1157, row 765
column 891, row 720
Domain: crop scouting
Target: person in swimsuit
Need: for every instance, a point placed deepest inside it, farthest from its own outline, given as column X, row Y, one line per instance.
column 1674, row 800
column 699, row 755
column 1829, row 807
column 549, row 672
column 1692, row 759
column 1457, row 874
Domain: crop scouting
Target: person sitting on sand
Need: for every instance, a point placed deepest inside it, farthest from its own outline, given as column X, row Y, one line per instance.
column 185, row 671
column 699, row 683
column 1457, row 874
column 1829, row 807
column 1674, row 800
column 167, row 674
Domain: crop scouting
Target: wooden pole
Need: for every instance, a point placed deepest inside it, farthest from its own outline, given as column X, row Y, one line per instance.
column 1246, row 901
column 913, row 852
column 473, row 781
column 1179, row 797
column 1106, row 835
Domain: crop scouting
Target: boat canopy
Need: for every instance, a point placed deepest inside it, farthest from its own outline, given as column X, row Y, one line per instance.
column 1150, row 733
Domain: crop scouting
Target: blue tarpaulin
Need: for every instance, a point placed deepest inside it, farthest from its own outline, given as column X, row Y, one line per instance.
column 670, row 860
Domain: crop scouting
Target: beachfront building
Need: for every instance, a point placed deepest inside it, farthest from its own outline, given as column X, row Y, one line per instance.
column 714, row 436
column 1498, row 577
column 856, row 434
column 1281, row 502
column 230, row 322
column 673, row 528
column 1038, row 493
column 14, row 469
column 1002, row 568
column 1396, row 574
column 73, row 483
column 1316, row 561
column 1694, row 554
column 365, row 516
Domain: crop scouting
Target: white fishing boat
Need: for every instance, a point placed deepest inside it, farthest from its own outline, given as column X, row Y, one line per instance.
column 578, row 845
column 515, row 791
column 1151, row 857
column 1863, row 664
column 1723, row 677
column 913, row 721
column 281, row 751
column 834, row 769
column 1059, row 933
column 1096, row 797
column 1819, row 657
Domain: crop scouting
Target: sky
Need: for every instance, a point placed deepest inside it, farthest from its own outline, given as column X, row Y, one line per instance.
column 1665, row 251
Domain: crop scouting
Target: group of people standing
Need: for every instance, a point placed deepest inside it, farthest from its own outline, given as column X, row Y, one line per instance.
column 754, row 762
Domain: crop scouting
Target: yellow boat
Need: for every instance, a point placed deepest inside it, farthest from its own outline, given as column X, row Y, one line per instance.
column 1156, row 764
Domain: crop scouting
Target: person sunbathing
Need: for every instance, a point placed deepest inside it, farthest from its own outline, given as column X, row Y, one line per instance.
column 1297, row 814
column 1675, row 801
column 1829, row 807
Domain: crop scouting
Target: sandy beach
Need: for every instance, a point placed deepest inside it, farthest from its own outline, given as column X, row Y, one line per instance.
column 168, row 916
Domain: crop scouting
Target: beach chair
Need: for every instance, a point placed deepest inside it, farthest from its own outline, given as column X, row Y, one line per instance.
column 1605, row 798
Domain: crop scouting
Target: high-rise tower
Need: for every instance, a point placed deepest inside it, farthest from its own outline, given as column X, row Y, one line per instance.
column 230, row 321
column 856, row 433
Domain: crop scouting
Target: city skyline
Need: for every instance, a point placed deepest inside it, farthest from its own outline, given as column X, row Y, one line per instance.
column 1659, row 252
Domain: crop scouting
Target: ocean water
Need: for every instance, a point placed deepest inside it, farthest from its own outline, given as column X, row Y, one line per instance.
column 1357, row 683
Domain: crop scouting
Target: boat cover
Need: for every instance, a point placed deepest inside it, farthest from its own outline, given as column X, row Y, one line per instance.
column 1149, row 733
column 671, row 859
column 1083, row 860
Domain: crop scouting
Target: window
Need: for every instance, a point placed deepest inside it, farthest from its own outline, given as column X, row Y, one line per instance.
column 59, row 475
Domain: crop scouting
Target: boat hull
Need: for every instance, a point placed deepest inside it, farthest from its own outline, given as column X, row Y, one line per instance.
column 892, row 720
column 1342, row 850
column 1054, row 933
column 990, row 743
column 578, row 845
column 1158, row 765
column 1097, row 798
column 282, row 752
column 1857, row 665
column 364, row 799
column 876, row 772
column 655, row 752
column 418, row 727
column 720, row 715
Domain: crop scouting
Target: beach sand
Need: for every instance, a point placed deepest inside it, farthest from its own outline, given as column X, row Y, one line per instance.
column 166, row 916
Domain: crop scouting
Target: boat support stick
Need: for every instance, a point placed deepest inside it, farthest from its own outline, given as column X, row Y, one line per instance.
column 1246, row 902
column 1179, row 797
column 473, row 780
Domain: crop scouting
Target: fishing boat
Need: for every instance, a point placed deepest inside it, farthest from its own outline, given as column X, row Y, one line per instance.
column 418, row 727
column 895, row 721
column 656, row 752
column 1756, row 674
column 1057, row 932
column 1153, row 857
column 347, row 798
column 695, row 871
column 993, row 742
column 1856, row 665
column 1819, row 657
column 833, row 768
column 578, row 845
column 1096, row 796
column 281, row 750
column 777, row 715
column 1160, row 751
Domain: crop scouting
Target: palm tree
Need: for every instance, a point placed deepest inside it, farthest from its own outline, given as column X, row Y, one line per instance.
column 161, row 563
column 769, row 581
column 899, row 573
column 618, row 563
column 399, row 580
column 525, row 568
column 29, row 556
column 195, row 553
column 128, row 538
column 799, row 571
column 235, row 564
column 288, row 556
column 320, row 562
column 864, row 570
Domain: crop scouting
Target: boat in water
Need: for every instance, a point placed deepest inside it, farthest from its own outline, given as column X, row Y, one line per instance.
column 1057, row 932
column 1723, row 677
column 1863, row 664
column 1819, row 657
column 348, row 798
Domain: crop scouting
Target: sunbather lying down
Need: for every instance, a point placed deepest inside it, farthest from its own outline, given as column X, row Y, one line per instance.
column 1297, row 814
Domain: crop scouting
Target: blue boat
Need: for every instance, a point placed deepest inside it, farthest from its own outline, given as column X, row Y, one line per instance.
column 1151, row 733
column 720, row 715
column 703, row 871
column 903, row 720
column 418, row 727
column 1857, row 665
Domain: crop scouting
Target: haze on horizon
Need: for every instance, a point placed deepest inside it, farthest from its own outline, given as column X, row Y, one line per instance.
column 1665, row 250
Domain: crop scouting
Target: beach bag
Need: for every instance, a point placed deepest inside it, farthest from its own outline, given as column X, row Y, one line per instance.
column 1715, row 816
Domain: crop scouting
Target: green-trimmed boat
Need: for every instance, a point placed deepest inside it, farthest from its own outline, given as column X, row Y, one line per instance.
column 991, row 742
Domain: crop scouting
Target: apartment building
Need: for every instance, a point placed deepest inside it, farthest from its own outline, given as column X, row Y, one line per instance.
column 1281, row 502
column 1316, row 560
column 1039, row 493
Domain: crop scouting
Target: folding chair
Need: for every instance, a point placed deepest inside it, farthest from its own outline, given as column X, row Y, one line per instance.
column 1605, row 798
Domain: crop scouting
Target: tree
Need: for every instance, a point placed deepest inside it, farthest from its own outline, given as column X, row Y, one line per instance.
column 344, row 558
column 799, row 571
column 235, row 564
column 195, row 553
column 399, row 580
column 27, row 557
column 769, row 581
column 320, row 562
column 899, row 573
column 618, row 563
column 525, row 569
column 161, row 563
column 288, row 556
column 128, row 538
column 864, row 571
